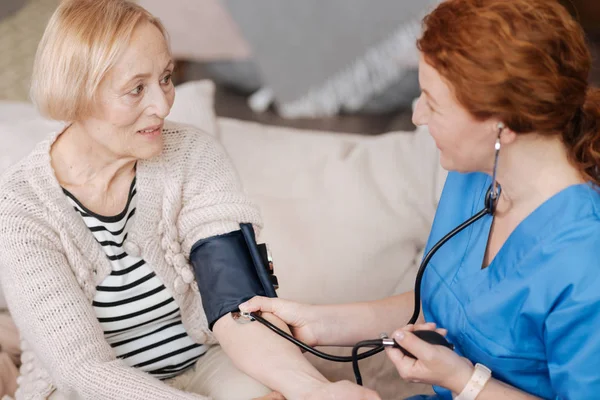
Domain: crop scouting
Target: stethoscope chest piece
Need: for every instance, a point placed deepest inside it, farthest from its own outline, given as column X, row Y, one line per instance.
column 491, row 198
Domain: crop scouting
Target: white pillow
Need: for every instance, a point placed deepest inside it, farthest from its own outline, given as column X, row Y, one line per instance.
column 21, row 127
column 194, row 105
column 345, row 215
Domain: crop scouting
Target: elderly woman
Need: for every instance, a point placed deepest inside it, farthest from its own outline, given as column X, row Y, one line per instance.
column 505, row 95
column 97, row 225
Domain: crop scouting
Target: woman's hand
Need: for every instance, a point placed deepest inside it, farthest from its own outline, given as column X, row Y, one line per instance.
column 343, row 390
column 301, row 318
column 435, row 365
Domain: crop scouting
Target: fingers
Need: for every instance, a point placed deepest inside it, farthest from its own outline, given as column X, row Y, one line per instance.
column 397, row 357
column 429, row 326
column 419, row 348
column 258, row 303
column 406, row 366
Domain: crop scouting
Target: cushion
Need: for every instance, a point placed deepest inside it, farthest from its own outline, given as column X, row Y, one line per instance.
column 345, row 215
column 194, row 105
column 21, row 127
column 346, row 218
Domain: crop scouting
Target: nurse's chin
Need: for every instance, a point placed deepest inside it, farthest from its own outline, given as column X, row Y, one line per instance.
column 447, row 163
column 452, row 166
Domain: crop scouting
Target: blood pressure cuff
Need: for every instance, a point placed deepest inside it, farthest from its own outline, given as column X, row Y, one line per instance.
column 231, row 269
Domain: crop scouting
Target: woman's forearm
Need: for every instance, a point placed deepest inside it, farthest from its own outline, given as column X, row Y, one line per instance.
column 347, row 324
column 267, row 357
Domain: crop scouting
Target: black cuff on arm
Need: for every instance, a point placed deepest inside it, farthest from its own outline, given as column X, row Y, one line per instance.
column 231, row 269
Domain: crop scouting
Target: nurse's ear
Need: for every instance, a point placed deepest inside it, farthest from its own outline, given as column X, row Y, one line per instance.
column 507, row 136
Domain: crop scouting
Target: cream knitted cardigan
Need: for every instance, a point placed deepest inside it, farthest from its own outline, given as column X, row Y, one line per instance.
column 50, row 263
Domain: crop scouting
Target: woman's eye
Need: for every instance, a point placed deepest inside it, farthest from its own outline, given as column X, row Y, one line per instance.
column 138, row 90
column 167, row 79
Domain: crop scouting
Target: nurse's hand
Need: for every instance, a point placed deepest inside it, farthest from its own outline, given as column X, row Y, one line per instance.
column 303, row 319
column 435, row 365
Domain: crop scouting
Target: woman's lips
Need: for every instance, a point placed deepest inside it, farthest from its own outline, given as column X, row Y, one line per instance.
column 151, row 131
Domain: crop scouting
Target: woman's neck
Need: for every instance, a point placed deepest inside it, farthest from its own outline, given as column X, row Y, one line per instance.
column 79, row 161
column 533, row 169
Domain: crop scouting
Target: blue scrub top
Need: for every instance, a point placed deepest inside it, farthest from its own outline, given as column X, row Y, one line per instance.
column 533, row 315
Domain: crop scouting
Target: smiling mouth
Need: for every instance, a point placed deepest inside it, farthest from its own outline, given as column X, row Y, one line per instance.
column 152, row 131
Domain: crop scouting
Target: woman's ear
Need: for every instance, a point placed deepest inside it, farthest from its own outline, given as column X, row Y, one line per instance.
column 507, row 136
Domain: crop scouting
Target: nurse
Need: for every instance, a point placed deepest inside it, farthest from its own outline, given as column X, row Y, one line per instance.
column 517, row 292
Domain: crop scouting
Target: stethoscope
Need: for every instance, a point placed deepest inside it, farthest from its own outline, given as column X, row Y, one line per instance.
column 491, row 198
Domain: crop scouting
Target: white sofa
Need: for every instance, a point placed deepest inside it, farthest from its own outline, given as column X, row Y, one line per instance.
column 346, row 216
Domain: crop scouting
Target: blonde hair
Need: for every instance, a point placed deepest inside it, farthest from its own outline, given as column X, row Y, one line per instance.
column 80, row 45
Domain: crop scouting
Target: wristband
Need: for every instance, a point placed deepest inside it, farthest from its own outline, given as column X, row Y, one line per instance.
column 480, row 377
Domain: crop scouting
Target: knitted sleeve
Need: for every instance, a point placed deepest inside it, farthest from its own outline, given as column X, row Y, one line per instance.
column 56, row 319
column 213, row 201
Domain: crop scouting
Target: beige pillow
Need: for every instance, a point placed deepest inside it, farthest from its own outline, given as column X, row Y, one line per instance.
column 345, row 215
column 21, row 127
column 346, row 218
column 194, row 105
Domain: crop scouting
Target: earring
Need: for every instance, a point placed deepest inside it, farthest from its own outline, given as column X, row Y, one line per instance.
column 501, row 127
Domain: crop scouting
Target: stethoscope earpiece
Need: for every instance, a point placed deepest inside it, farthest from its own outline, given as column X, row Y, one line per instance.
column 494, row 191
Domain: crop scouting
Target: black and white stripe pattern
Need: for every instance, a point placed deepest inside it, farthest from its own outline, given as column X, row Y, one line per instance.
column 138, row 314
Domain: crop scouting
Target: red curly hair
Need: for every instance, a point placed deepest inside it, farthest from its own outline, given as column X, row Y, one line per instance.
column 525, row 62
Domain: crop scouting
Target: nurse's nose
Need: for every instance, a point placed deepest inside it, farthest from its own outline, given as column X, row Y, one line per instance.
column 419, row 114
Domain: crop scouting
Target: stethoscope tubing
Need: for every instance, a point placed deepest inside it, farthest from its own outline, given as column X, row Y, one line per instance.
column 491, row 197
column 377, row 343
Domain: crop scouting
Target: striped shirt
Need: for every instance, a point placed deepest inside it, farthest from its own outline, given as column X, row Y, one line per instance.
column 138, row 314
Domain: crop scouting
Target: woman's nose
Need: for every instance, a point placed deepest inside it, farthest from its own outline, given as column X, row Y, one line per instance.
column 159, row 103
